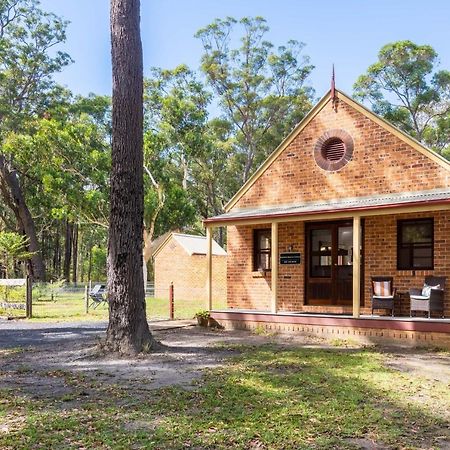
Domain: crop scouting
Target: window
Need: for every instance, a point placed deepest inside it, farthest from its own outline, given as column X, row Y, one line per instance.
column 415, row 244
column 261, row 249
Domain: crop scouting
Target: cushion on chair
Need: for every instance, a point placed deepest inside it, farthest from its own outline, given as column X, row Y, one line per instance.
column 419, row 297
column 384, row 297
column 426, row 290
column 381, row 288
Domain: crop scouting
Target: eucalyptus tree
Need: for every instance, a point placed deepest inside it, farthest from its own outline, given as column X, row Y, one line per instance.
column 176, row 113
column 128, row 330
column 185, row 148
column 64, row 159
column 27, row 63
column 406, row 87
column 261, row 89
column 176, row 106
column 167, row 205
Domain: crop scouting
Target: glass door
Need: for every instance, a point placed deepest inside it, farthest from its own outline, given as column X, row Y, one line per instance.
column 320, row 280
column 329, row 271
column 344, row 266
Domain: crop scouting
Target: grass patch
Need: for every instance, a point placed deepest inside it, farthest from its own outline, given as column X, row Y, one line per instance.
column 265, row 398
column 71, row 307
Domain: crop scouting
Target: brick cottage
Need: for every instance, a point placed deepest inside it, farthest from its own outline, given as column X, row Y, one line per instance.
column 344, row 199
column 181, row 259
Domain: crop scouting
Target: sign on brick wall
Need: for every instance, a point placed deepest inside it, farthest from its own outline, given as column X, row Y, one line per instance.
column 290, row 258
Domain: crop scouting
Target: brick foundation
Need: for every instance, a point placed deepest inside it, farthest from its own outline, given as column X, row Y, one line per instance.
column 366, row 334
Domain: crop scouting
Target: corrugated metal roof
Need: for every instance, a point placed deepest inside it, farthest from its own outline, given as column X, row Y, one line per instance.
column 196, row 245
column 373, row 201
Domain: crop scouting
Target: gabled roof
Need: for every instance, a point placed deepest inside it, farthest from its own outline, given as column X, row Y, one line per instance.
column 435, row 196
column 159, row 241
column 193, row 245
column 310, row 116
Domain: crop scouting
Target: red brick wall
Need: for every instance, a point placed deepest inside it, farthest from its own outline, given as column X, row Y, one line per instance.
column 251, row 290
column 381, row 163
column 381, row 255
column 291, row 277
column 188, row 273
column 246, row 289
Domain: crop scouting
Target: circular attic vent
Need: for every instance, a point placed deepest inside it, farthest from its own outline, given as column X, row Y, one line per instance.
column 333, row 150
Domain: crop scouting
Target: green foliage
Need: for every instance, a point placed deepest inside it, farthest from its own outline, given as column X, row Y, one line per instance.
column 98, row 270
column 27, row 34
column 28, row 60
column 202, row 314
column 68, row 159
column 12, row 294
column 260, row 89
column 13, row 248
column 405, row 87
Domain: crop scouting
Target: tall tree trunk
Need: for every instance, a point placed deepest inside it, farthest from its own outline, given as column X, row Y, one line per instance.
column 128, row 331
column 81, row 255
column 68, row 250
column 74, row 252
column 14, row 198
column 57, row 252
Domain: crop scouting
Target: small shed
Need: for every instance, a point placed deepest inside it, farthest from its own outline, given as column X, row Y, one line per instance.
column 181, row 259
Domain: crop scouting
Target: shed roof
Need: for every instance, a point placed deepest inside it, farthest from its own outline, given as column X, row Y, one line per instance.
column 344, row 204
column 193, row 245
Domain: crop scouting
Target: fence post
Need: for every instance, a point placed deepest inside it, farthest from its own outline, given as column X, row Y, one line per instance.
column 171, row 302
column 86, row 298
column 29, row 297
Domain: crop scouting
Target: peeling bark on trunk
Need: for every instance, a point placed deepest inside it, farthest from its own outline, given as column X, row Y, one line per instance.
column 128, row 331
column 14, row 198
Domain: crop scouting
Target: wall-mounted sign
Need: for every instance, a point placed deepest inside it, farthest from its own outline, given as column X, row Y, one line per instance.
column 290, row 258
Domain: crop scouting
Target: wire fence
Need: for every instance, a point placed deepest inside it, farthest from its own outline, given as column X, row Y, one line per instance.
column 61, row 301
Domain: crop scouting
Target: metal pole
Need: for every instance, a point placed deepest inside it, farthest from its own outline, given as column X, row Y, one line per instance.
column 171, row 302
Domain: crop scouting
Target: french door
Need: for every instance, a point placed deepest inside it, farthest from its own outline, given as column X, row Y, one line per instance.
column 329, row 269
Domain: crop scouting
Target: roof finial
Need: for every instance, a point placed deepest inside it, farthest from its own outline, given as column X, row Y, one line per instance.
column 333, row 90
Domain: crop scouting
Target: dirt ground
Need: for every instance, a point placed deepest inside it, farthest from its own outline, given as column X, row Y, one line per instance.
column 38, row 350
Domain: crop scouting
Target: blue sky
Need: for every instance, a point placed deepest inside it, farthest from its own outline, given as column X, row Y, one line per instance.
column 346, row 32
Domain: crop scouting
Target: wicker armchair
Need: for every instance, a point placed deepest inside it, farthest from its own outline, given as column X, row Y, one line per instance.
column 432, row 303
column 383, row 301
